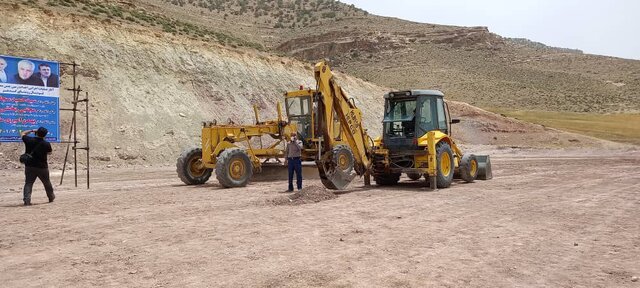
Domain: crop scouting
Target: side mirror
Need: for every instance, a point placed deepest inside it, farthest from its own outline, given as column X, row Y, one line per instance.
column 455, row 121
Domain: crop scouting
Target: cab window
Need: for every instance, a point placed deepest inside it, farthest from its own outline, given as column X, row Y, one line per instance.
column 298, row 106
column 442, row 120
column 426, row 121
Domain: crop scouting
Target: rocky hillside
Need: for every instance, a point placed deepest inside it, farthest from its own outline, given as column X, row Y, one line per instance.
column 151, row 88
column 278, row 14
column 470, row 64
column 473, row 65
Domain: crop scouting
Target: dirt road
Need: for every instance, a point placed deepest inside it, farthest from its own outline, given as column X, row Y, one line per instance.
column 570, row 220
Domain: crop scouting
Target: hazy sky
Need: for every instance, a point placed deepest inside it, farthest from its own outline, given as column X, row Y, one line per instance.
column 598, row 27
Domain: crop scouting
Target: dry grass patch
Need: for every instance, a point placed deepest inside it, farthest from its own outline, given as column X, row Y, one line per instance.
column 615, row 127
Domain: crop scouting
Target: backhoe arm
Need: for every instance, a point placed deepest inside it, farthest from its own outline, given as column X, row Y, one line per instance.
column 333, row 102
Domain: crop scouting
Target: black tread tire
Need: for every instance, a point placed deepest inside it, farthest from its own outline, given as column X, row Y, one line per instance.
column 182, row 167
column 344, row 149
column 380, row 176
column 387, row 179
column 444, row 181
column 414, row 176
column 222, row 168
column 465, row 168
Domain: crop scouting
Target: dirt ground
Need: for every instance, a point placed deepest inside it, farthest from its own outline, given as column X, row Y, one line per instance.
column 561, row 219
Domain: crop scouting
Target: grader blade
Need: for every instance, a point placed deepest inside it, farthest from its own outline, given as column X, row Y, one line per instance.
column 278, row 172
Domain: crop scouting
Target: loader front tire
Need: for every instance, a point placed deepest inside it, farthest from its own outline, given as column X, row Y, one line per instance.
column 445, row 166
column 233, row 168
column 469, row 168
column 190, row 169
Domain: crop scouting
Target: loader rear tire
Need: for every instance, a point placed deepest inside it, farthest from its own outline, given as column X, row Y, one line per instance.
column 445, row 166
column 387, row 179
column 380, row 176
column 190, row 169
column 414, row 176
column 234, row 168
column 469, row 168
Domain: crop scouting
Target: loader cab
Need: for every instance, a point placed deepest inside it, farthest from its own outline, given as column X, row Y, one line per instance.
column 299, row 107
column 409, row 115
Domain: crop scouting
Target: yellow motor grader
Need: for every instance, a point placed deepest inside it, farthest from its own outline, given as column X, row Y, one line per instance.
column 221, row 151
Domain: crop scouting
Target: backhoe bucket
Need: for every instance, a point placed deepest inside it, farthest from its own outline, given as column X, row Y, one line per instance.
column 484, row 167
column 331, row 176
column 334, row 179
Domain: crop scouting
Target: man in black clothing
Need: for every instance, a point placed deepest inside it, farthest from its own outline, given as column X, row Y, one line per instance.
column 39, row 148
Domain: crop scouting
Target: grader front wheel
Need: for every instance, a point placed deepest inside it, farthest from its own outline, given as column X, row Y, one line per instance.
column 191, row 169
column 233, row 168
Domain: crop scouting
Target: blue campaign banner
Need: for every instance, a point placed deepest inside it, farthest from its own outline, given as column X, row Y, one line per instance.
column 29, row 97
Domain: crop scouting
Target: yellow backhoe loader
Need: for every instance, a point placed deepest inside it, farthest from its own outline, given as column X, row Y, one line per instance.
column 416, row 140
column 416, row 137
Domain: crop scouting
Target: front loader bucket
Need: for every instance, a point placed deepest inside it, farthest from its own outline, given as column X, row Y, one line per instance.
column 484, row 167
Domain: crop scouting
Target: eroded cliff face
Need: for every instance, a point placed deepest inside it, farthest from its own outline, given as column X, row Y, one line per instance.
column 357, row 43
column 150, row 91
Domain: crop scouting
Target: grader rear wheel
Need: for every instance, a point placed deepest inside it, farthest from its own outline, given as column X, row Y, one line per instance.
column 191, row 169
column 233, row 168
